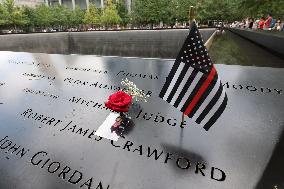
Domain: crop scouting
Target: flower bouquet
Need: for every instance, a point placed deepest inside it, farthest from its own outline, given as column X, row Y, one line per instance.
column 120, row 102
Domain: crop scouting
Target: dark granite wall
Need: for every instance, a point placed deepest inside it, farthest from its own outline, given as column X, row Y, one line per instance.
column 138, row 43
column 269, row 41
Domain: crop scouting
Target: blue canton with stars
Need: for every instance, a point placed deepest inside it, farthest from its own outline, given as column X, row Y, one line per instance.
column 194, row 52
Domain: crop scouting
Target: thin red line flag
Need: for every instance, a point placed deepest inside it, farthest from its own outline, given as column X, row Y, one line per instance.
column 193, row 85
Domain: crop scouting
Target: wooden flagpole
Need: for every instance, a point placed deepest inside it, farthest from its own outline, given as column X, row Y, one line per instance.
column 191, row 14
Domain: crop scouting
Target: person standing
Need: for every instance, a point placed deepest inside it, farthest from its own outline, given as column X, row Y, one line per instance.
column 261, row 23
column 267, row 22
column 278, row 25
column 250, row 23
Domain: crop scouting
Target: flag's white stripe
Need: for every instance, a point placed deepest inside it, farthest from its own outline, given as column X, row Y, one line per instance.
column 207, row 100
column 190, row 89
column 174, row 80
column 181, row 85
column 214, row 108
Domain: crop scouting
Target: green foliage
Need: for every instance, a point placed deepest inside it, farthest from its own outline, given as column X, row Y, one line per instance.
column 258, row 8
column 110, row 15
column 61, row 16
column 169, row 11
column 123, row 13
column 182, row 9
column 148, row 11
column 76, row 17
column 30, row 14
column 2, row 18
column 92, row 15
column 12, row 16
column 143, row 12
column 156, row 11
column 43, row 16
column 213, row 10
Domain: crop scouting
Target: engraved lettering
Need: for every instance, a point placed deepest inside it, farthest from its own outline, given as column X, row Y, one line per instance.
column 199, row 167
column 168, row 157
column 75, row 180
column 187, row 164
column 223, row 175
column 23, row 152
column 65, row 170
column 156, row 156
column 139, row 149
column 127, row 145
column 57, row 166
column 41, row 153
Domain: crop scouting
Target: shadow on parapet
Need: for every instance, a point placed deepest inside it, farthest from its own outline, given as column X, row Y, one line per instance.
column 273, row 176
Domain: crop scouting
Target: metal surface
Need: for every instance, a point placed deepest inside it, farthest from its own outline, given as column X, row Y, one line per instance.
column 240, row 144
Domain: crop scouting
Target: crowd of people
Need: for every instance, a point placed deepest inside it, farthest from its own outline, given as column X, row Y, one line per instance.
column 268, row 23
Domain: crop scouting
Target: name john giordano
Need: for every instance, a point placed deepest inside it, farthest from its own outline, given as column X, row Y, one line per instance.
column 49, row 164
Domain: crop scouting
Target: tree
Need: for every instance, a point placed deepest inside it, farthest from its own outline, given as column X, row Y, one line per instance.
column 123, row 13
column 43, row 16
column 92, row 15
column 30, row 13
column 12, row 15
column 61, row 16
column 183, row 9
column 215, row 10
column 151, row 11
column 76, row 17
column 110, row 15
column 2, row 18
column 258, row 8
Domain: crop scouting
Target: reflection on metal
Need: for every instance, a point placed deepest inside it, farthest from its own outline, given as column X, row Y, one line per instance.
column 60, row 131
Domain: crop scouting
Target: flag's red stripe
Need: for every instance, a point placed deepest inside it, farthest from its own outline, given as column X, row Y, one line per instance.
column 201, row 90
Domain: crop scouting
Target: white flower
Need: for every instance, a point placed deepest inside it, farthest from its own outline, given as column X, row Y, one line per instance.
column 131, row 89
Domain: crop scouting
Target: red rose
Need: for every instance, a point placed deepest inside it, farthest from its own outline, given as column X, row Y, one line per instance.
column 119, row 101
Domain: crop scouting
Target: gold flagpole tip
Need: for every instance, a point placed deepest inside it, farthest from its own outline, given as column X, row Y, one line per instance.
column 191, row 14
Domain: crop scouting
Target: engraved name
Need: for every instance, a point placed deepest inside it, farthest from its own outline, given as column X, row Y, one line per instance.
column 11, row 148
column 156, row 118
column 136, row 75
column 151, row 153
column 38, row 76
column 87, row 70
column 10, row 61
column 97, row 84
column 43, row 160
column 252, row 88
column 65, row 172
column 39, row 92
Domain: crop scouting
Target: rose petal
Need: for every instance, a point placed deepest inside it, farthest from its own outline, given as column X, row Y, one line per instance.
column 119, row 101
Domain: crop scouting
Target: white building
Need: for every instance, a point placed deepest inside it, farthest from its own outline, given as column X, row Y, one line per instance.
column 30, row 3
column 84, row 4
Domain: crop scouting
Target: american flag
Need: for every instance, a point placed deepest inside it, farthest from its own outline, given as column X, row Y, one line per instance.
column 193, row 85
